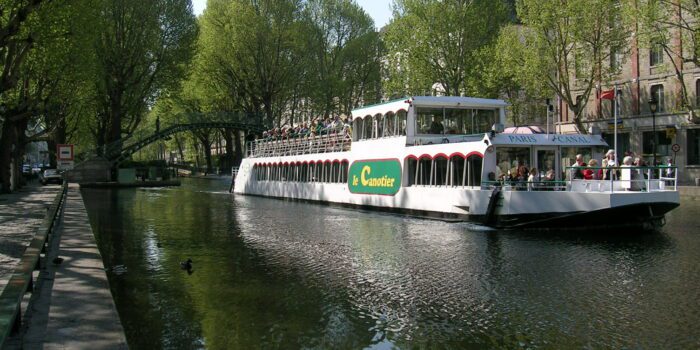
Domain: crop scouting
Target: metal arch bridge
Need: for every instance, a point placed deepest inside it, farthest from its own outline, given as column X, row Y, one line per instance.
column 124, row 148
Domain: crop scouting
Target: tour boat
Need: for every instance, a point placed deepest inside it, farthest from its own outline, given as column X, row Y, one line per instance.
column 449, row 158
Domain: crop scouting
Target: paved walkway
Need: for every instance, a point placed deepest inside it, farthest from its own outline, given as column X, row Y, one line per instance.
column 74, row 308
column 21, row 213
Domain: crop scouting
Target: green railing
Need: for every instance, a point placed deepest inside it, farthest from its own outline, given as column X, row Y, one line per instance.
column 22, row 280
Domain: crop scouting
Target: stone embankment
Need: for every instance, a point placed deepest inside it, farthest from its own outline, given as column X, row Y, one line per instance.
column 71, row 306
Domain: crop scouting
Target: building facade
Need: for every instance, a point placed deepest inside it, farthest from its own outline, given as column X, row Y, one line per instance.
column 646, row 73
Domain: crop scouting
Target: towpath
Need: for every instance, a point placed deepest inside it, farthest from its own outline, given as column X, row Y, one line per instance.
column 72, row 306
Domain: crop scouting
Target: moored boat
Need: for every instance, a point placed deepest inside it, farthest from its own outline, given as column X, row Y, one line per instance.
column 448, row 157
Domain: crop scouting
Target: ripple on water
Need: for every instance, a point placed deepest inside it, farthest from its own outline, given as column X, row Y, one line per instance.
column 359, row 279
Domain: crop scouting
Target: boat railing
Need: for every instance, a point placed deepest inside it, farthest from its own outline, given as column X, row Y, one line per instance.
column 295, row 145
column 623, row 178
column 603, row 179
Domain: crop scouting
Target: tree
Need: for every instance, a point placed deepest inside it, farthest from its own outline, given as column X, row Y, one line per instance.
column 256, row 64
column 506, row 75
column 439, row 45
column 672, row 26
column 39, row 40
column 563, row 46
column 342, row 49
column 141, row 51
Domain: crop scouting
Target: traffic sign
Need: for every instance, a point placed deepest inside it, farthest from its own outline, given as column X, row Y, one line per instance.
column 64, row 152
column 65, row 164
column 676, row 147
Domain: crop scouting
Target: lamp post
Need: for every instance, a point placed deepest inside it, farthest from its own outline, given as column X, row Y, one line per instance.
column 653, row 105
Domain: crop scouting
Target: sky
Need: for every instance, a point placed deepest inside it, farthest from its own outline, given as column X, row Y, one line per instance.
column 379, row 10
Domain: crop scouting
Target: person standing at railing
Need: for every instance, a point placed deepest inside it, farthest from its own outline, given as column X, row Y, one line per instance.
column 577, row 167
column 609, row 162
column 533, row 181
column 669, row 171
column 591, row 173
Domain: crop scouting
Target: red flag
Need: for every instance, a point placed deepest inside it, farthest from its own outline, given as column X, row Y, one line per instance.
column 607, row 95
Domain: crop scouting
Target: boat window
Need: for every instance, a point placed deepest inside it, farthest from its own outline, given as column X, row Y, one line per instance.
column 429, row 120
column 454, row 120
column 411, row 166
column 457, row 171
column 328, row 171
column 439, row 177
column 483, row 120
column 401, row 117
column 423, row 172
column 318, row 172
column 357, row 129
column 378, row 126
column 458, row 121
column 509, row 159
column 389, row 124
column 335, row 173
column 473, row 170
column 545, row 161
column 304, row 173
column 344, row 171
column 368, row 126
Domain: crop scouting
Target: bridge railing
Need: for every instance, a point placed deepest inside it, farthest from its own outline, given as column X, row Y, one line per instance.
column 289, row 146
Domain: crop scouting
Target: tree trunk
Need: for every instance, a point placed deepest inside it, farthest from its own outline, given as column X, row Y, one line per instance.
column 115, row 120
column 7, row 141
column 207, row 157
column 20, row 151
column 238, row 150
column 228, row 136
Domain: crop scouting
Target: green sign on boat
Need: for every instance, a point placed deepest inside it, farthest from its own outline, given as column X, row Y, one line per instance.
column 375, row 177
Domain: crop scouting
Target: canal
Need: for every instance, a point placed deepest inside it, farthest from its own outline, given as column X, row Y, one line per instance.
column 277, row 274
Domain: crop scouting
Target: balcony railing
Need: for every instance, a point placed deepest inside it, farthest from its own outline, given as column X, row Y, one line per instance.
column 618, row 179
column 289, row 146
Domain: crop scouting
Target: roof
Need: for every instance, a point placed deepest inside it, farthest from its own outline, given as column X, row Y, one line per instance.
column 427, row 101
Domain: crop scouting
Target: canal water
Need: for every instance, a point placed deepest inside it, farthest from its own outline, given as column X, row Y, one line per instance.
column 277, row 274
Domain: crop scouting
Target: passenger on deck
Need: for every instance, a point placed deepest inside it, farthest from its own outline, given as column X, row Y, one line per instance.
column 548, row 179
column 436, row 126
column 579, row 164
column 533, row 181
column 521, row 177
column 631, row 180
column 609, row 161
column 591, row 173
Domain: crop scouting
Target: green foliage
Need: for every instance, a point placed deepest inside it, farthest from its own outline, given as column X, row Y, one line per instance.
column 141, row 52
column 564, row 48
column 664, row 24
column 441, row 46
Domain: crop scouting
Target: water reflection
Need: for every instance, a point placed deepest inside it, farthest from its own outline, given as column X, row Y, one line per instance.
column 278, row 274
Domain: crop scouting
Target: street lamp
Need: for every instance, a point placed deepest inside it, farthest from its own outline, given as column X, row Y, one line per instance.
column 653, row 105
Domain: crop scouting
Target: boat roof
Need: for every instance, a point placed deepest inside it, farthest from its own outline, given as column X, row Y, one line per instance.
column 427, row 101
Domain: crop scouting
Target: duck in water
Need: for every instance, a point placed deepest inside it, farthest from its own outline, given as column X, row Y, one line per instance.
column 186, row 265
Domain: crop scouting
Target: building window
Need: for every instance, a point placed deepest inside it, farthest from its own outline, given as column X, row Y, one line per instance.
column 615, row 59
column 656, row 55
column 623, row 141
column 663, row 149
column 697, row 92
column 657, row 92
column 693, row 146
